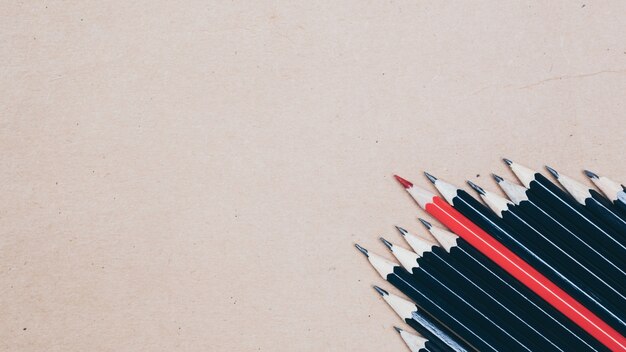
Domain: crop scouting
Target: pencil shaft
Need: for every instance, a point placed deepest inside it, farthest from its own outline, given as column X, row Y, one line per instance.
column 525, row 273
column 475, row 263
column 490, row 223
column 588, row 251
column 472, row 334
column 437, row 333
column 563, row 207
column 500, row 309
column 561, row 260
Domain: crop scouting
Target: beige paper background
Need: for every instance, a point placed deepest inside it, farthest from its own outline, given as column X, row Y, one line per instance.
column 191, row 176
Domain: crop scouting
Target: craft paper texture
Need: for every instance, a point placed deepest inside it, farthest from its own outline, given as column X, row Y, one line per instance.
column 191, row 176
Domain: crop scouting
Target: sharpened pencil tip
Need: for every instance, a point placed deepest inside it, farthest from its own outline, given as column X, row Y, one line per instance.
column 387, row 243
column 507, row 161
column 398, row 329
column 476, row 187
column 402, row 231
column 552, row 171
column 591, row 174
column 425, row 223
column 381, row 291
column 361, row 249
column 403, row 182
column 431, row 178
column 497, row 178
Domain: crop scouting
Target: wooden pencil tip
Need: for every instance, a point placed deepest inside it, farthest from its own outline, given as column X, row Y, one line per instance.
column 406, row 184
column 361, row 249
column 430, row 177
column 552, row 171
column 507, row 161
column 476, row 187
column 590, row 174
column 402, row 231
column 497, row 178
column 398, row 329
column 381, row 291
column 425, row 223
column 387, row 243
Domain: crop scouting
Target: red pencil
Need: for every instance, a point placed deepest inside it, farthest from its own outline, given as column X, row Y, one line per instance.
column 515, row 266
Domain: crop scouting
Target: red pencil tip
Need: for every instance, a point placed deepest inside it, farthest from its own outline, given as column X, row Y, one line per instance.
column 403, row 182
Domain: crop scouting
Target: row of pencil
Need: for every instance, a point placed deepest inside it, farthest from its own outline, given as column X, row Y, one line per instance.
column 544, row 270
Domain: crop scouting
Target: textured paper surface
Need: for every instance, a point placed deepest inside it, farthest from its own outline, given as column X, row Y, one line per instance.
column 192, row 176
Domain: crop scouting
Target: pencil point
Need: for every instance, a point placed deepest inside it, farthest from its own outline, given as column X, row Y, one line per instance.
column 507, row 161
column 430, row 177
column 497, row 178
column 387, row 243
column 476, row 187
column 425, row 223
column 591, row 174
column 402, row 231
column 398, row 329
column 381, row 291
column 403, row 182
column 361, row 249
column 552, row 171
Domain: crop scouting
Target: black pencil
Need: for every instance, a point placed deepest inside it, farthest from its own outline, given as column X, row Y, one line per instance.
column 473, row 263
column 495, row 226
column 477, row 296
column 422, row 322
column 615, row 192
column 554, row 254
column 565, row 209
column 474, row 334
column 593, row 201
column 588, row 251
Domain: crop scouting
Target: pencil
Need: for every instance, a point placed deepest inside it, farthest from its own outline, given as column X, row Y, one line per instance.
column 518, row 268
column 583, row 283
column 473, row 335
column 494, row 226
column 473, row 263
column 564, row 208
column 422, row 322
column 598, row 205
column 589, row 251
column 477, row 296
column 465, row 309
column 612, row 190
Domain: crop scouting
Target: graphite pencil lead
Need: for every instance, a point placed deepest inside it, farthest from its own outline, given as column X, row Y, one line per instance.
column 430, row 177
column 380, row 291
column 398, row 329
column 363, row 250
column 497, row 178
column 425, row 223
column 402, row 231
column 552, row 171
column 476, row 187
column 387, row 243
column 406, row 184
column 591, row 174
column 507, row 161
